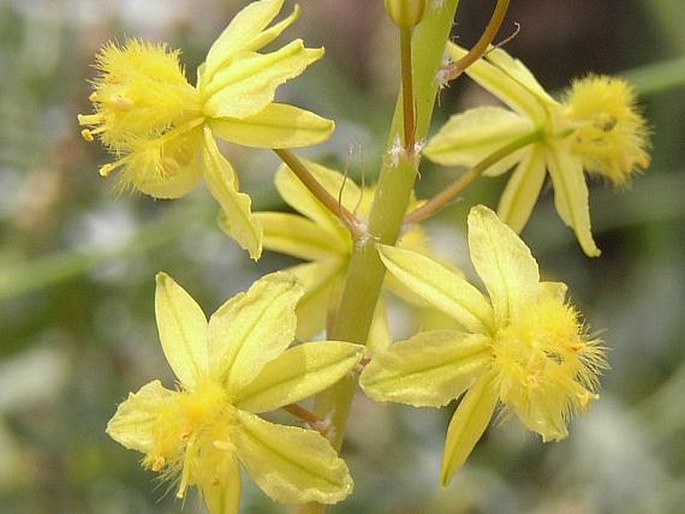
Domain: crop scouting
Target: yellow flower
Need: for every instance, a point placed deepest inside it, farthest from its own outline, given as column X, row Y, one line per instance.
column 161, row 128
column 319, row 237
column 228, row 369
column 596, row 128
column 525, row 347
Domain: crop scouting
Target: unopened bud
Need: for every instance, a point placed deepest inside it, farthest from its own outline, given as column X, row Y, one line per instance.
column 405, row 13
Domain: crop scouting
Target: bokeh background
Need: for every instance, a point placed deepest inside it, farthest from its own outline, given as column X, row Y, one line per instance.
column 77, row 262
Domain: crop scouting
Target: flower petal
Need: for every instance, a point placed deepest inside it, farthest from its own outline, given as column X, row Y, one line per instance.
column 298, row 373
column 252, row 328
column 248, row 84
column 222, row 496
column 322, row 282
column 182, row 330
column 440, row 287
column 505, row 79
column 132, row 424
column 503, row 262
column 244, row 29
column 522, row 190
column 290, row 464
column 467, row 426
column 468, row 138
column 301, row 199
column 571, row 197
column 300, row 237
column 429, row 369
column 275, row 126
column 238, row 221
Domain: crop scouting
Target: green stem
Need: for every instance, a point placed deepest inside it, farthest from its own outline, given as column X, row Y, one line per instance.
column 479, row 49
column 365, row 272
column 448, row 194
column 407, row 90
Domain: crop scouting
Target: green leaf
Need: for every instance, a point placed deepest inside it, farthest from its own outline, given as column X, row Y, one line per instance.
column 182, row 330
column 290, row 464
column 298, row 373
column 440, row 287
column 429, row 369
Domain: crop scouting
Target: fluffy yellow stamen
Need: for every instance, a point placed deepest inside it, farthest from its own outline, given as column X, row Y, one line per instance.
column 610, row 135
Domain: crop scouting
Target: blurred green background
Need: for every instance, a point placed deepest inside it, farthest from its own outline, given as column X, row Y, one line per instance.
column 77, row 262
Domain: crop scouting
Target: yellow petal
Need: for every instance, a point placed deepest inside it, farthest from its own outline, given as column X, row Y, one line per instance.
column 467, row 426
column 253, row 328
column 440, row 287
column 571, row 197
column 237, row 218
column 429, row 369
column 468, row 138
column 182, row 330
column 249, row 83
column 503, row 262
column 132, row 425
column 223, row 495
column 322, row 282
column 522, row 190
column 244, row 29
column 290, row 464
column 299, row 237
column 503, row 78
column 301, row 199
column 298, row 373
column 275, row 126
column 555, row 290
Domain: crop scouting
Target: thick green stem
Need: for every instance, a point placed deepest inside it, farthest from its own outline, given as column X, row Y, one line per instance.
column 365, row 272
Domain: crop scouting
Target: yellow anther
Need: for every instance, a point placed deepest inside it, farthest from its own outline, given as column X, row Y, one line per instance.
column 93, row 97
column 158, row 463
column 121, row 102
column 90, row 119
column 106, row 169
column 87, row 135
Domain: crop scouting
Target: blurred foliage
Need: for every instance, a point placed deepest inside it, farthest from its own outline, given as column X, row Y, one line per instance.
column 77, row 262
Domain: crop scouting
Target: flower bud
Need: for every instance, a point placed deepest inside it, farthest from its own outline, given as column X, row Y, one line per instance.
column 405, row 13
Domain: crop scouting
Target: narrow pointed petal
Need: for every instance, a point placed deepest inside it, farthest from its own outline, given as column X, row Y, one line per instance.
column 556, row 290
column 571, row 197
column 467, row 426
column 238, row 221
column 468, row 138
column 503, row 262
column 290, row 464
column 182, row 330
column 322, row 281
column 440, row 287
column 301, row 199
column 249, row 83
column 252, row 328
column 275, row 126
column 522, row 190
column 428, row 370
column 132, row 425
column 298, row 236
column 503, row 81
column 298, row 373
column 223, row 496
column 240, row 34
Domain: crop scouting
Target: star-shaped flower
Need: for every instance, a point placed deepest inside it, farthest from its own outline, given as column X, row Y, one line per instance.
column 230, row 369
column 161, row 128
column 524, row 347
column 318, row 236
column 597, row 128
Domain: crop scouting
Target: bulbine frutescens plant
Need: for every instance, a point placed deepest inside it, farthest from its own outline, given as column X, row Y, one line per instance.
column 520, row 345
